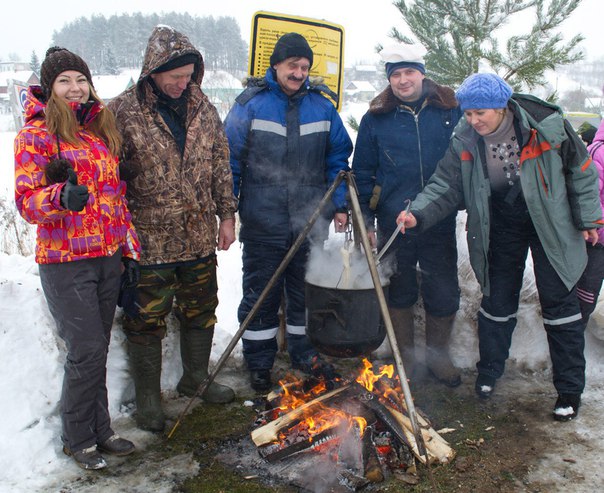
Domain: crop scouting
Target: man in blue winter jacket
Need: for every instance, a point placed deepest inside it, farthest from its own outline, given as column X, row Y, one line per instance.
column 401, row 138
column 287, row 145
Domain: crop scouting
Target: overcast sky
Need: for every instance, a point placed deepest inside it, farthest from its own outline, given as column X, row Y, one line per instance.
column 29, row 25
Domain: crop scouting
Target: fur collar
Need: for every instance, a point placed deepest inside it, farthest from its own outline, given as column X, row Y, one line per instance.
column 436, row 95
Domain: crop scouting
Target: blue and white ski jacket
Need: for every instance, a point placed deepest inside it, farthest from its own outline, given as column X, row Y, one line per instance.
column 285, row 153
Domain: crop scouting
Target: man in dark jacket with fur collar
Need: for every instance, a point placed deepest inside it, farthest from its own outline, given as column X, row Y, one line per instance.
column 401, row 139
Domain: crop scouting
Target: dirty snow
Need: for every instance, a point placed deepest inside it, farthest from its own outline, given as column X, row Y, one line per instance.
column 32, row 355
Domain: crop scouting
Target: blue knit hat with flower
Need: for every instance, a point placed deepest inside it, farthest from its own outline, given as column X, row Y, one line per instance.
column 483, row 91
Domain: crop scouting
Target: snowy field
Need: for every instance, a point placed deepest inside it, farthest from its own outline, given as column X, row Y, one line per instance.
column 32, row 356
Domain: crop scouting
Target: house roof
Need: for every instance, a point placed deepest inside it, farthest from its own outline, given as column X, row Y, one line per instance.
column 27, row 76
column 360, row 85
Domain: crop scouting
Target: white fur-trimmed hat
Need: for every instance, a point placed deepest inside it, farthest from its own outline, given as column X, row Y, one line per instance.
column 403, row 55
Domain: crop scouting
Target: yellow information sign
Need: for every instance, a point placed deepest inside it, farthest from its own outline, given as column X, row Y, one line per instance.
column 325, row 39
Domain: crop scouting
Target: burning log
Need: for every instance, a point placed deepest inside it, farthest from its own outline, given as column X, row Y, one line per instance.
column 276, row 453
column 382, row 412
column 269, row 432
column 372, row 468
column 364, row 426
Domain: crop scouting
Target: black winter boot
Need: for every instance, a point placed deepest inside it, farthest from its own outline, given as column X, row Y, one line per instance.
column 145, row 366
column 195, row 349
column 567, row 407
column 438, row 361
column 260, row 380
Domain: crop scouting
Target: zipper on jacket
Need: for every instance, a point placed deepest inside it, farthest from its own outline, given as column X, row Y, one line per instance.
column 419, row 147
column 419, row 142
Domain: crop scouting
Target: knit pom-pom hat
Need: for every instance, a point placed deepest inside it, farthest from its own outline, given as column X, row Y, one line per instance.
column 483, row 91
column 57, row 61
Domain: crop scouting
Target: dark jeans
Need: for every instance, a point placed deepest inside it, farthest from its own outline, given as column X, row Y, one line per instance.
column 588, row 287
column 260, row 262
column 82, row 298
column 192, row 284
column 512, row 234
column 436, row 255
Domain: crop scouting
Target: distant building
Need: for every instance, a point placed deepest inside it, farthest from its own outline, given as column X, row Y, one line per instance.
column 14, row 66
column 26, row 77
column 222, row 88
column 372, row 74
column 359, row 90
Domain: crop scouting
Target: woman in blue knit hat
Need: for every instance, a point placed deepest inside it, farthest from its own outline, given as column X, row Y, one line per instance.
column 526, row 181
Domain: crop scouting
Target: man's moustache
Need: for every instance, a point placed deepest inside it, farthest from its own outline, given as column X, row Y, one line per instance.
column 294, row 78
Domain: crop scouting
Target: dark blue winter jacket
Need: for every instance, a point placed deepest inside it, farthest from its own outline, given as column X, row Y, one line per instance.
column 397, row 151
column 285, row 153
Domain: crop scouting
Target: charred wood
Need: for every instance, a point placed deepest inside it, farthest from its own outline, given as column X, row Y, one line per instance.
column 275, row 452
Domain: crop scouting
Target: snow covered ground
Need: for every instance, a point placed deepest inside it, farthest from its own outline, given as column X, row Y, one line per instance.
column 32, row 360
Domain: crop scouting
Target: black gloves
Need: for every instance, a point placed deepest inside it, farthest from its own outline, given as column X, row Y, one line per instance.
column 131, row 274
column 128, row 299
column 74, row 196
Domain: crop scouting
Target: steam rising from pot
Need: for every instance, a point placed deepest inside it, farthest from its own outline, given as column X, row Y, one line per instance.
column 338, row 264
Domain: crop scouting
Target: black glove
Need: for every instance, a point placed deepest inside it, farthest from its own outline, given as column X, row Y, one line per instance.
column 128, row 298
column 74, row 196
column 131, row 274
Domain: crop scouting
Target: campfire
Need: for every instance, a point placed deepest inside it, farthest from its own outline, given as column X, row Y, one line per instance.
column 361, row 424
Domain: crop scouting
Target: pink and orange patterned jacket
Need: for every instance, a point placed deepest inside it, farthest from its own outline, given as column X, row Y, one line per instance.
column 104, row 226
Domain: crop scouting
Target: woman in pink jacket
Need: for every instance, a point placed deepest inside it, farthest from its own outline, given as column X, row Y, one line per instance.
column 67, row 183
column 590, row 283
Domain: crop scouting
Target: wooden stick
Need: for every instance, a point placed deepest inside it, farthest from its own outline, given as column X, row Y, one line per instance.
column 438, row 450
column 268, row 433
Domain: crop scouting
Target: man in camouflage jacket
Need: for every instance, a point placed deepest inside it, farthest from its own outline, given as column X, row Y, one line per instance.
column 175, row 158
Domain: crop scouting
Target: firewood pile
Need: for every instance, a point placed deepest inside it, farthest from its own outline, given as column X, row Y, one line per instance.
column 361, row 425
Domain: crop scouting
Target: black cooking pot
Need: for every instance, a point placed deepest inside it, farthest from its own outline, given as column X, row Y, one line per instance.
column 344, row 322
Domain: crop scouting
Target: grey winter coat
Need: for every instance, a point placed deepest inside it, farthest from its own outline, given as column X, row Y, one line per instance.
column 558, row 180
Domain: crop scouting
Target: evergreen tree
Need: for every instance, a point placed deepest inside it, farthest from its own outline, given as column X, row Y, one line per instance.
column 462, row 36
column 110, row 65
column 34, row 63
column 100, row 41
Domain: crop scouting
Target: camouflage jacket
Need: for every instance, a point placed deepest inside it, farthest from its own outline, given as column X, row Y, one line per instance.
column 174, row 198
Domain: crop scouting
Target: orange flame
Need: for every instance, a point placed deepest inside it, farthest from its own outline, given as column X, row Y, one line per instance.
column 368, row 378
column 318, row 419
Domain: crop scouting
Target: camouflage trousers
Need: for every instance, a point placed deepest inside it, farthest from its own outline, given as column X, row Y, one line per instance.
column 190, row 288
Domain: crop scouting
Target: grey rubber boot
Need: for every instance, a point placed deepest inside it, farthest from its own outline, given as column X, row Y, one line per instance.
column 195, row 349
column 145, row 366
column 438, row 361
column 402, row 321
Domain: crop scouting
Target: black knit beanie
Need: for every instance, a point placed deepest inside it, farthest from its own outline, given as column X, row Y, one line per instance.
column 291, row 45
column 59, row 60
column 177, row 62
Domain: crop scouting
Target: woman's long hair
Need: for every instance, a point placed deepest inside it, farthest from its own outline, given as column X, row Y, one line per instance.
column 61, row 121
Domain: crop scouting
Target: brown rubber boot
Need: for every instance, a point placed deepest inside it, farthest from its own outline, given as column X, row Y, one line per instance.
column 195, row 349
column 438, row 361
column 402, row 321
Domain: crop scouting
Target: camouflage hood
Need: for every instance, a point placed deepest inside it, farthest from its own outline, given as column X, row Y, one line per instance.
column 166, row 44
column 174, row 195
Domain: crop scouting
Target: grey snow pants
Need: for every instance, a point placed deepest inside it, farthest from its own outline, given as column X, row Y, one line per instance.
column 82, row 297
